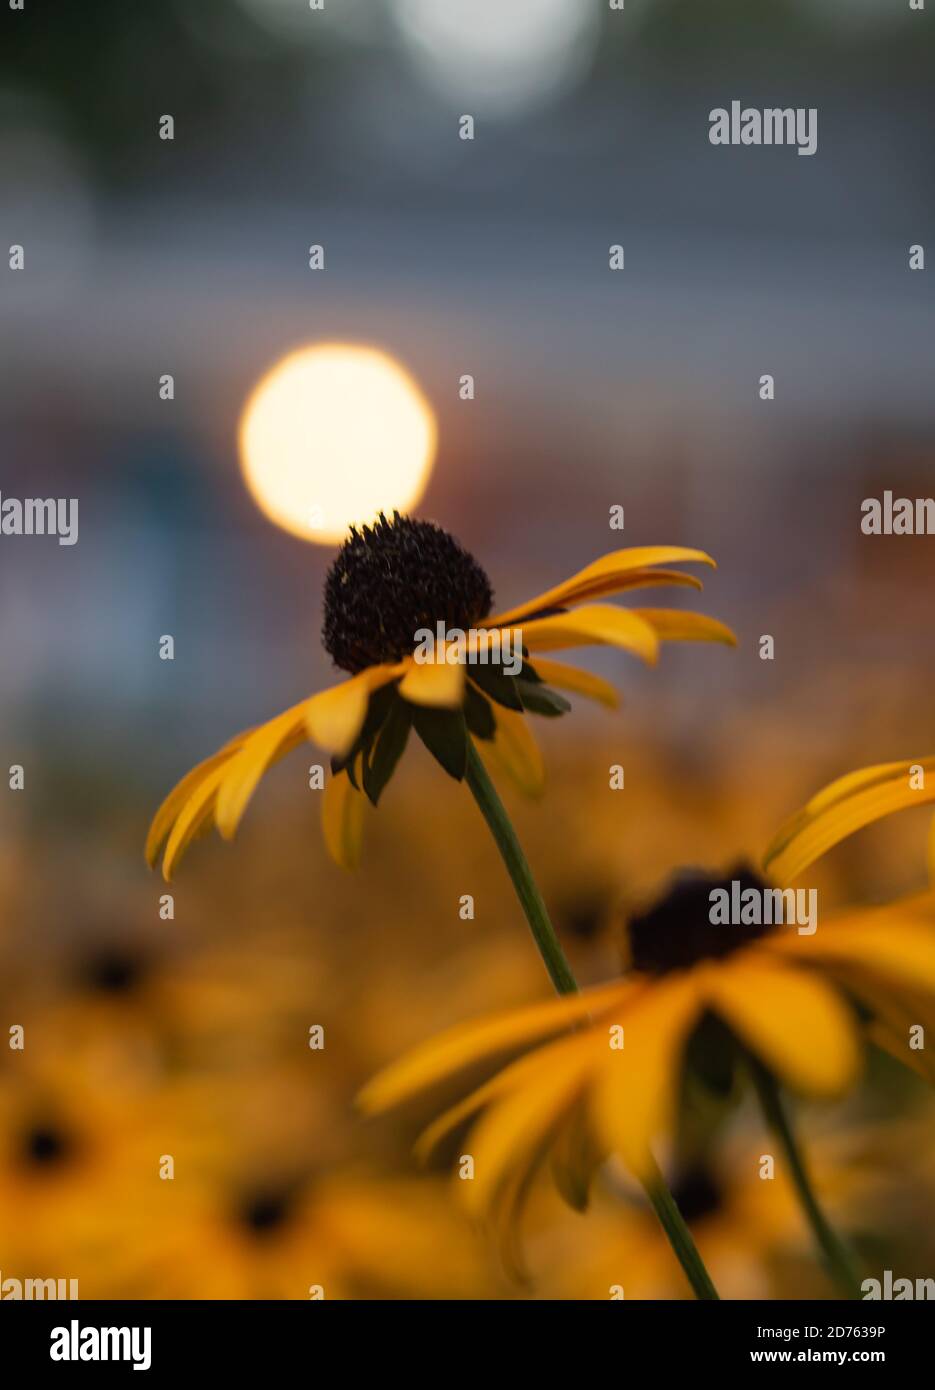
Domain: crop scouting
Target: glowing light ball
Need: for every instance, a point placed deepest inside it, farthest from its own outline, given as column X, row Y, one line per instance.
column 333, row 435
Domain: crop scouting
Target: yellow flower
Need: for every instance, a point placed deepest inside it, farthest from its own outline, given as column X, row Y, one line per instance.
column 599, row 1072
column 389, row 583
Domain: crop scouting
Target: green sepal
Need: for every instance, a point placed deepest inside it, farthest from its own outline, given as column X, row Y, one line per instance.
column 379, row 706
column 496, row 685
column 711, row 1055
column 478, row 714
column 387, row 750
column 444, row 733
column 539, row 699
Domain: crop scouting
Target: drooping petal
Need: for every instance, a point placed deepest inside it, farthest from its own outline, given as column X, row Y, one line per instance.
column 471, row 1043
column 342, row 820
column 245, row 768
column 634, row 1099
column 795, row 1022
column 435, row 1133
column 610, row 574
column 595, row 624
column 193, row 816
column 506, row 1217
column 513, row 1130
column 515, row 751
column 525, row 1070
column 842, row 808
column 576, row 681
column 675, row 625
column 334, row 717
column 434, row 683
column 167, row 814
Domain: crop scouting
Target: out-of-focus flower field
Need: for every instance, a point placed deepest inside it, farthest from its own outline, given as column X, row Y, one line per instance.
column 151, row 1041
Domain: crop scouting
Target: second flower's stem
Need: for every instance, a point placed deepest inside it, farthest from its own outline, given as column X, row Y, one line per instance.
column 560, row 973
column 679, row 1237
column 837, row 1256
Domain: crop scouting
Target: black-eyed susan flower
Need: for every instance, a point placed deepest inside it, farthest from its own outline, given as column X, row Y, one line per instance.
column 390, row 583
column 599, row 1073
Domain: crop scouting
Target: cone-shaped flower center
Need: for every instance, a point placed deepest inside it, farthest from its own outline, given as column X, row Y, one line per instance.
column 700, row 917
column 393, row 578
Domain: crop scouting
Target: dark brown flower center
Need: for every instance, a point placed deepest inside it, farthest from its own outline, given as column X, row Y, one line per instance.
column 393, row 578
column 700, row 917
column 112, row 971
column 264, row 1213
column 697, row 1193
column 45, row 1146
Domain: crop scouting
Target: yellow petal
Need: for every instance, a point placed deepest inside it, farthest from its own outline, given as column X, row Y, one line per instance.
column 610, row 574
column 334, row 717
column 342, row 820
column 434, row 683
column 896, row 942
column 506, row 1217
column 165, row 817
column 798, row 1025
column 515, row 751
column 577, row 682
column 634, row 1099
column 595, row 624
column 433, row 1135
column 244, row 769
column 513, row 1131
column 672, row 625
column 487, row 1038
column 193, row 816
column 525, row 1070
column 842, row 808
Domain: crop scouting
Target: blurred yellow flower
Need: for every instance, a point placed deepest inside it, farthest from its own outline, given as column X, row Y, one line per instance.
column 389, row 582
column 335, row 1237
column 214, row 1188
column 608, row 1083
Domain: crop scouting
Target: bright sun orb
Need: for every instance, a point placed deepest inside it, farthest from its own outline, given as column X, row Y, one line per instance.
column 331, row 436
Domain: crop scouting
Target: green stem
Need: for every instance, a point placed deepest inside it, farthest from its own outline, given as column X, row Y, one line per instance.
column 560, row 973
column 680, row 1238
column 838, row 1258
column 501, row 827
